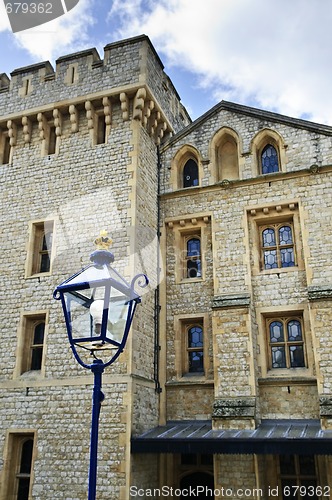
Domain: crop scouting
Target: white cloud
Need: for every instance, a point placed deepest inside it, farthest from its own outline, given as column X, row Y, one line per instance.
column 63, row 35
column 274, row 54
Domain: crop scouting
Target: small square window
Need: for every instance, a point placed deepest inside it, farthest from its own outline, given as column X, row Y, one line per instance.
column 40, row 248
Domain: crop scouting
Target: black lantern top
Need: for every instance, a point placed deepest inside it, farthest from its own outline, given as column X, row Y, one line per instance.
column 99, row 305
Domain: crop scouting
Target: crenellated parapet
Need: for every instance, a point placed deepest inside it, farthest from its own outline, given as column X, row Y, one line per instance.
column 130, row 73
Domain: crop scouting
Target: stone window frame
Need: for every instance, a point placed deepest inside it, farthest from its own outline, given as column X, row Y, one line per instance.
column 15, row 440
column 35, row 250
column 219, row 138
column 286, row 343
column 295, row 311
column 185, row 153
column 259, row 218
column 183, row 230
column 25, row 343
column 181, row 325
column 259, row 142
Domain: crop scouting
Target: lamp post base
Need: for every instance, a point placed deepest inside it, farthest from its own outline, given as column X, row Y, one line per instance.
column 97, row 369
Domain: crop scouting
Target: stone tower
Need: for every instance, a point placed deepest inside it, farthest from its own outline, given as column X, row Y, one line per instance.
column 78, row 154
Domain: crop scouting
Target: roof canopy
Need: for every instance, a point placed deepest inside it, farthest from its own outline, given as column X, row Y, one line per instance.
column 302, row 437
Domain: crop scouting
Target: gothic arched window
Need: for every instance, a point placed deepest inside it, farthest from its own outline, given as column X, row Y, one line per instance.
column 269, row 160
column 190, row 173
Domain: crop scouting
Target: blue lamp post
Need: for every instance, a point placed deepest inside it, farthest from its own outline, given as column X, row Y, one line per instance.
column 98, row 306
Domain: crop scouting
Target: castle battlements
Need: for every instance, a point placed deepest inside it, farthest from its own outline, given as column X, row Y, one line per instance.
column 85, row 90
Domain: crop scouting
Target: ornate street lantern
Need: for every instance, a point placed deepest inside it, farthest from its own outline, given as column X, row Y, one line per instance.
column 98, row 306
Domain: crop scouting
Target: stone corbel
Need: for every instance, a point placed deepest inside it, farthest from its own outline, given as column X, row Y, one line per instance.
column 73, row 116
column 12, row 132
column 27, row 127
column 90, row 114
column 139, row 104
column 42, row 126
column 161, row 131
column 57, row 117
column 154, row 120
column 149, row 105
column 107, row 110
column 124, row 106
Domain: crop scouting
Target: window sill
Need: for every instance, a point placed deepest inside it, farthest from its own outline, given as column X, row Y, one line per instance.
column 190, row 280
column 278, row 270
column 301, row 377
column 38, row 275
column 190, row 380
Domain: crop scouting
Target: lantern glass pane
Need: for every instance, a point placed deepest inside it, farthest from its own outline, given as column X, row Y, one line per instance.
column 117, row 315
column 78, row 311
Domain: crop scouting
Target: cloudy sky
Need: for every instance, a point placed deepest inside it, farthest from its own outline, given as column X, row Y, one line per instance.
column 270, row 54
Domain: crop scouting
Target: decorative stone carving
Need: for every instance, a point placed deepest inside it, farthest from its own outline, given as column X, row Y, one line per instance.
column 57, row 122
column 124, row 106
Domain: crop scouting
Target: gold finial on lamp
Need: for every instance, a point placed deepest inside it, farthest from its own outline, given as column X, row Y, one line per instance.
column 103, row 242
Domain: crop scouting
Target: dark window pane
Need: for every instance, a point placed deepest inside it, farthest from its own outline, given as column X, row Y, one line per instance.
column 269, row 160
column 196, row 361
column 45, row 263
column 26, row 457
column 36, row 358
column 23, row 488
column 188, row 459
column 287, row 464
column 38, row 337
column 194, row 269
column 190, row 174
column 296, row 356
column 307, row 465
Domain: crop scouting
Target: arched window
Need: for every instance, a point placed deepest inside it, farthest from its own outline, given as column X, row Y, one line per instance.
column 269, row 160
column 278, row 246
column 193, row 258
column 190, row 173
column 227, row 158
column 286, row 343
column 195, row 349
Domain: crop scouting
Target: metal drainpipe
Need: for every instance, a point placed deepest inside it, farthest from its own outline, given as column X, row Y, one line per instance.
column 157, row 306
